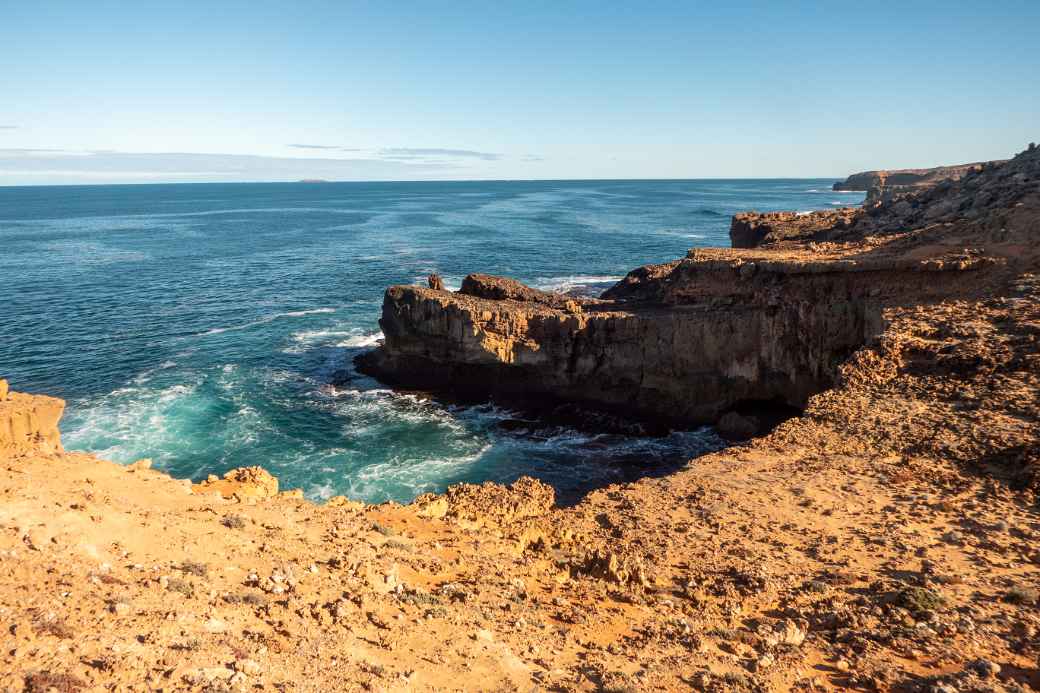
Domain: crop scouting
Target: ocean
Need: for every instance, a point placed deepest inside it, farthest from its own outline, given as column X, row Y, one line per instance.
column 203, row 325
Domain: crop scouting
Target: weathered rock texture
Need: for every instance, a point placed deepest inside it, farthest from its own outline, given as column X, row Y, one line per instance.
column 885, row 540
column 752, row 229
column 689, row 340
column 882, row 186
column 682, row 342
column 28, row 423
column 242, row 484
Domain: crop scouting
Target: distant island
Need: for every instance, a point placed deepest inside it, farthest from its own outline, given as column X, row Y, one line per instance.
column 313, row 180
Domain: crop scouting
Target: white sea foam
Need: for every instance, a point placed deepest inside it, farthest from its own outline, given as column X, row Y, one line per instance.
column 572, row 281
column 265, row 320
column 364, row 340
column 351, row 338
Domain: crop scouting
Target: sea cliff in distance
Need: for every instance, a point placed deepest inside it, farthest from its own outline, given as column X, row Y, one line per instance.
column 882, row 538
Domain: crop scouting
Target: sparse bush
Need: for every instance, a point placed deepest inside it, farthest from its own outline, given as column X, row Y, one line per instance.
column 396, row 545
column 233, row 521
column 1026, row 596
column 193, row 568
column 190, row 645
column 250, row 598
column 920, row 600
column 181, row 587
column 420, row 598
column 618, row 682
column 52, row 626
column 376, row 670
column 43, row 681
column 817, row 586
column 383, row 529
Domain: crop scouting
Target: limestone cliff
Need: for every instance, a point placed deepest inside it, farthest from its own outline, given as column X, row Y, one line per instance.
column 689, row 340
column 752, row 229
column 29, row 423
column 682, row 342
column 885, row 540
column 882, row 186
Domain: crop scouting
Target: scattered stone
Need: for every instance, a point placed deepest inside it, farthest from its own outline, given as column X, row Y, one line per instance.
column 984, row 668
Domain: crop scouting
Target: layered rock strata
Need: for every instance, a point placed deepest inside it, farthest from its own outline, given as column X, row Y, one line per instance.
column 683, row 342
column 752, row 229
column 882, row 186
column 689, row 340
column 29, row 423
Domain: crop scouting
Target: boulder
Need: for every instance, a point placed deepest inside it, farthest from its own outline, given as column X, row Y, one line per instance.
column 734, row 426
column 29, row 423
column 242, row 484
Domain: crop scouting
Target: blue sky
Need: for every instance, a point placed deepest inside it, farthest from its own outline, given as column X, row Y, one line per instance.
column 192, row 91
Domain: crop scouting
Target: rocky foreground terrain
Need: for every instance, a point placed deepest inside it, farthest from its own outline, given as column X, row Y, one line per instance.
column 884, row 539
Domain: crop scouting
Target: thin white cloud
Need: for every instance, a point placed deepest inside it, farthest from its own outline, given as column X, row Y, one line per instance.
column 330, row 147
column 313, row 146
column 8, row 127
column 405, row 153
column 45, row 165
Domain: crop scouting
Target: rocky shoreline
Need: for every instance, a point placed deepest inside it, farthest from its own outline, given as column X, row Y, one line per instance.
column 689, row 341
column 886, row 185
column 885, row 539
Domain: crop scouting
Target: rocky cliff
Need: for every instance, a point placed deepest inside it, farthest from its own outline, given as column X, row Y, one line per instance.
column 687, row 341
column 752, row 229
column 29, row 424
column 885, row 540
column 882, row 186
column 681, row 343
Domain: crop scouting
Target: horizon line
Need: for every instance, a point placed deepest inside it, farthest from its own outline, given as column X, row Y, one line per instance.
column 318, row 181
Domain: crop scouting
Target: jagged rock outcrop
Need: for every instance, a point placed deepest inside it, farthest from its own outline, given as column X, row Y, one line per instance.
column 244, row 484
column 29, row 423
column 987, row 195
column 882, row 186
column 689, row 340
column 682, row 342
column 752, row 229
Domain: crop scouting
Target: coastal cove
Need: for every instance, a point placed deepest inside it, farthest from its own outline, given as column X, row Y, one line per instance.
column 202, row 326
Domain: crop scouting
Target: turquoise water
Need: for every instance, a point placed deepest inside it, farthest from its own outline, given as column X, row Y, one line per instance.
column 202, row 325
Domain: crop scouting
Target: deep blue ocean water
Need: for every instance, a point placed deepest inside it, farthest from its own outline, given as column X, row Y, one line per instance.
column 201, row 325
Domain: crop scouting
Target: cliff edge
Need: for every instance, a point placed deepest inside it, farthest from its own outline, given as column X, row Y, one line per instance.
column 886, row 539
column 687, row 341
column 882, row 186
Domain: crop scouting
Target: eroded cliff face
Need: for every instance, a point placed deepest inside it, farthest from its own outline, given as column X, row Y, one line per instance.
column 885, row 540
column 29, row 423
column 753, row 229
column 683, row 342
column 882, row 186
column 689, row 340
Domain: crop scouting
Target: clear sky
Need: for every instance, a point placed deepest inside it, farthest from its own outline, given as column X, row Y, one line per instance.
column 199, row 91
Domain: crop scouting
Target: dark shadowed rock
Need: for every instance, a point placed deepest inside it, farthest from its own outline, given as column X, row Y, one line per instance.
column 734, row 426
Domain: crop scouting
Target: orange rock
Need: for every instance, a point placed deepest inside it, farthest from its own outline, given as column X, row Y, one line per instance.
column 29, row 423
column 242, row 484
